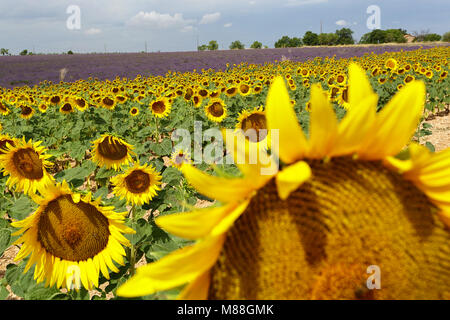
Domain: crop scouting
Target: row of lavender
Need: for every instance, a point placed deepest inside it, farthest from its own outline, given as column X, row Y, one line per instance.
column 30, row 70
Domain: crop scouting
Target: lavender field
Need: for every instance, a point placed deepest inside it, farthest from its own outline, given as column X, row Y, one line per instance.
column 30, row 70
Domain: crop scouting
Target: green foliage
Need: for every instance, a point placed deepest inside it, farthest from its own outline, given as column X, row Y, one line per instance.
column 213, row 45
column 446, row 37
column 237, row 45
column 256, row 45
column 328, row 39
column 4, row 52
column 287, row 42
column 24, row 52
column 345, row 36
column 311, row 39
column 203, row 47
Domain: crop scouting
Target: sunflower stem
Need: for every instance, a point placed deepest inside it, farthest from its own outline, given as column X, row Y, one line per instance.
column 133, row 248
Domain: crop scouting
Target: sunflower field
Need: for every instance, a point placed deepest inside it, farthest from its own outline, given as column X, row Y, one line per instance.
column 97, row 201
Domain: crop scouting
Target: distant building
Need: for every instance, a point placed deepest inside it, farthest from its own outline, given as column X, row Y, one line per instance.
column 409, row 38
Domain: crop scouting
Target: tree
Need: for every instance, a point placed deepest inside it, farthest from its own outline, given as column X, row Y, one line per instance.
column 345, row 36
column 375, row 36
column 395, row 35
column 328, row 39
column 446, row 37
column 24, row 52
column 256, row 45
column 203, row 47
column 311, row 39
column 286, row 42
column 237, row 45
column 213, row 45
column 283, row 42
column 4, row 51
column 432, row 37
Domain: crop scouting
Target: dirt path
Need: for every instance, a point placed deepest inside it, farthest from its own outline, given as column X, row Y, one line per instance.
column 440, row 137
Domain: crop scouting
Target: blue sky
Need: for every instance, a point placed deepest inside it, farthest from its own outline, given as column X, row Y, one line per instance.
column 175, row 25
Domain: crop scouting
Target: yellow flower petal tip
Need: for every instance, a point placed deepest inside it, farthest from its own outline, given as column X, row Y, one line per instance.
column 290, row 178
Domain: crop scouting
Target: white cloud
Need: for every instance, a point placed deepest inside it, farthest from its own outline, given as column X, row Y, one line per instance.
column 93, row 31
column 210, row 18
column 227, row 25
column 252, row 2
column 342, row 23
column 296, row 3
column 158, row 20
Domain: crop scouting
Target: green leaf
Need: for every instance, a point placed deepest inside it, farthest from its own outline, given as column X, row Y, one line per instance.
column 5, row 236
column 4, row 293
column 163, row 148
column 40, row 292
column 21, row 208
column 430, row 146
column 105, row 173
column 172, row 176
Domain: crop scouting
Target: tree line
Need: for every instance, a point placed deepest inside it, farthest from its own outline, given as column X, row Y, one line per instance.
column 339, row 37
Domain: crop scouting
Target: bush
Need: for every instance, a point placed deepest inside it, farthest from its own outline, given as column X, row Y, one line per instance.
column 203, row 47
column 237, row 45
column 446, row 37
column 69, row 52
column 24, row 52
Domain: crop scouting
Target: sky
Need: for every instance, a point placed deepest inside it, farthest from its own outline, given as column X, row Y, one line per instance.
column 56, row 26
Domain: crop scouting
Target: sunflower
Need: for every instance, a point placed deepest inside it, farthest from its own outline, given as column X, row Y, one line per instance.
column 134, row 111
column 391, row 64
column 161, row 107
column 66, row 108
column 26, row 112
column 341, row 203
column 80, row 103
column 43, row 107
column 55, row 99
column 244, row 89
column 108, row 102
column 256, row 120
column 111, row 152
column 215, row 110
column 4, row 110
column 179, row 157
column 139, row 184
column 26, row 163
column 6, row 140
column 231, row 91
column 71, row 238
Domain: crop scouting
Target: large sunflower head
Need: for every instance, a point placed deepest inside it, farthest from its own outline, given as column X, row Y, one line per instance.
column 215, row 110
column 340, row 205
column 139, row 184
column 161, row 107
column 71, row 238
column 26, row 111
column 26, row 164
column 111, row 152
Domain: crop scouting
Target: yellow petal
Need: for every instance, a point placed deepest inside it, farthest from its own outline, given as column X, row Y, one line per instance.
column 396, row 123
column 218, row 188
column 197, row 290
column 290, row 178
column 281, row 116
column 354, row 127
column 177, row 268
column 323, row 124
column 198, row 223
column 359, row 86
